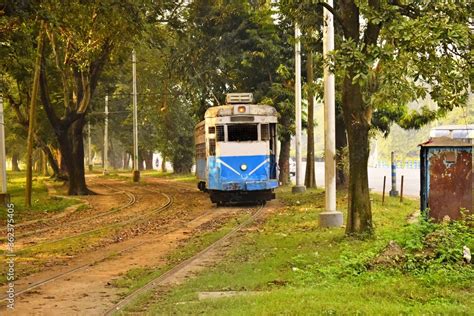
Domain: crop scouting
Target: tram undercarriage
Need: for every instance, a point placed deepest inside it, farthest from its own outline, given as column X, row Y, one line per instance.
column 221, row 197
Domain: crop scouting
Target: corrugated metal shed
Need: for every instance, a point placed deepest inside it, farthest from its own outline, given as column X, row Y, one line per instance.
column 446, row 177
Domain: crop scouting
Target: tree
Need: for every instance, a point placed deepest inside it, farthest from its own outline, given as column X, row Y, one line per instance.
column 17, row 71
column 237, row 46
column 76, row 52
column 394, row 53
column 310, row 175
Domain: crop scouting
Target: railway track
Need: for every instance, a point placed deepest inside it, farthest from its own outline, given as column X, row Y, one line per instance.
column 133, row 220
column 94, row 262
column 155, row 210
column 91, row 264
column 131, row 201
column 160, row 280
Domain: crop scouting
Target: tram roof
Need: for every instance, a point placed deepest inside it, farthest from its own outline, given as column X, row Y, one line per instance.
column 228, row 110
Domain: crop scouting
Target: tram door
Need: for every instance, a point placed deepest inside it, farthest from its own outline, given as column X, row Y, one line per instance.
column 269, row 134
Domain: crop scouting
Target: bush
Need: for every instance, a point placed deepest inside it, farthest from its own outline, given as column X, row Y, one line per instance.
column 441, row 244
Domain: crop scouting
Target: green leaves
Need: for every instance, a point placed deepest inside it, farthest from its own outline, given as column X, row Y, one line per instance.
column 416, row 56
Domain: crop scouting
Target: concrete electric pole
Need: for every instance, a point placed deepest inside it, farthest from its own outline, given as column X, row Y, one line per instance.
column 106, row 135
column 330, row 217
column 136, row 170
column 299, row 187
column 3, row 158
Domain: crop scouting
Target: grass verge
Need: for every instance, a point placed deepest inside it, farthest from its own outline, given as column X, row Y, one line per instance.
column 41, row 202
column 137, row 278
column 302, row 269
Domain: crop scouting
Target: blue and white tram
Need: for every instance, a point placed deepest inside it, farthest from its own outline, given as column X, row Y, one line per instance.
column 236, row 151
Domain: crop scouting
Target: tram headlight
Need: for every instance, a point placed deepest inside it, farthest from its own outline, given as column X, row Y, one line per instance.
column 243, row 167
column 241, row 109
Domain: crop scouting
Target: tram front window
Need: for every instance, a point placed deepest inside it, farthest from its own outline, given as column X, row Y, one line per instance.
column 242, row 132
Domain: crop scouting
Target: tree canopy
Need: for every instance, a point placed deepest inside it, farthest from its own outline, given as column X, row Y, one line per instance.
column 190, row 54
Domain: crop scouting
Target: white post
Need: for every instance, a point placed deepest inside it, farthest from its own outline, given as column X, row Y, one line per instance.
column 136, row 169
column 89, row 148
column 106, row 135
column 299, row 183
column 3, row 162
column 331, row 217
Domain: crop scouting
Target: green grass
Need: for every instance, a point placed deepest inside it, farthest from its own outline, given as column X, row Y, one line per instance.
column 188, row 177
column 138, row 277
column 303, row 269
column 41, row 202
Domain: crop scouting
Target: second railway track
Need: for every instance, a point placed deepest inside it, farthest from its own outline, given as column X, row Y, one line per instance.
column 131, row 201
column 155, row 210
column 126, row 301
column 128, row 221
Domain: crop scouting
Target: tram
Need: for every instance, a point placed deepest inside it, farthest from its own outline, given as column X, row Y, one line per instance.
column 236, row 151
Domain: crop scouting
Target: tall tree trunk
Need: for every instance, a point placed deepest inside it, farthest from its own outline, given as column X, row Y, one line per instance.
column 284, row 161
column 310, row 176
column 357, row 117
column 37, row 161
column 163, row 164
column 128, row 157
column 140, row 160
column 125, row 160
column 62, row 162
column 72, row 151
column 53, row 164
column 15, row 158
column 32, row 118
column 149, row 160
column 44, row 167
column 341, row 143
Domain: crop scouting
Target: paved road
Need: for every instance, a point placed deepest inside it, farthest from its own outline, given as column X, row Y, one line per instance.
column 411, row 185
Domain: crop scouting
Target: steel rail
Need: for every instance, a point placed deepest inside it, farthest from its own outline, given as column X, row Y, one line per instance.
column 131, row 201
column 168, row 204
column 118, row 224
column 160, row 279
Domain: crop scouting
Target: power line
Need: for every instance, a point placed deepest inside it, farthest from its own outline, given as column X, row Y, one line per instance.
column 138, row 94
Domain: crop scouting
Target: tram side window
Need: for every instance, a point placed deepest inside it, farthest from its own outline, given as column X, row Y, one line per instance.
column 211, row 130
column 212, row 147
column 220, row 133
column 201, row 151
column 265, row 131
column 242, row 132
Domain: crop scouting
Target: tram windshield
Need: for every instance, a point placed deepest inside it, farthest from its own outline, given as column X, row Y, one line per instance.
column 242, row 132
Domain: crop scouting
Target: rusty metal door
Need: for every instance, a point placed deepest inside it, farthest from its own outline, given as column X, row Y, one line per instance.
column 450, row 182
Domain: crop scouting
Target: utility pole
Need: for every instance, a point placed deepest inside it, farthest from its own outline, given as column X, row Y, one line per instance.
column 3, row 164
column 89, row 148
column 136, row 170
column 299, row 187
column 106, row 135
column 330, row 217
